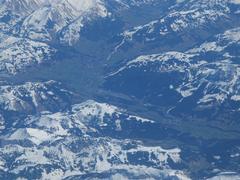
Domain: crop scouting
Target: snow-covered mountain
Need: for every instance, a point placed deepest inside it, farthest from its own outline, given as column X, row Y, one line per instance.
column 199, row 79
column 46, row 20
column 18, row 101
column 186, row 23
column 52, row 18
column 65, row 145
column 30, row 27
column 37, row 96
column 16, row 54
column 164, row 76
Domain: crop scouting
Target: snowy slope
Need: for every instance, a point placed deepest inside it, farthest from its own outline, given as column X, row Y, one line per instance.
column 67, row 138
column 17, row 101
column 15, row 97
column 173, row 64
column 50, row 19
column 41, row 23
column 184, row 25
column 16, row 54
column 208, row 75
column 27, row 26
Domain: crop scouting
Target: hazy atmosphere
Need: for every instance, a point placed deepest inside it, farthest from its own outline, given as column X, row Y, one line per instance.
column 120, row 89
